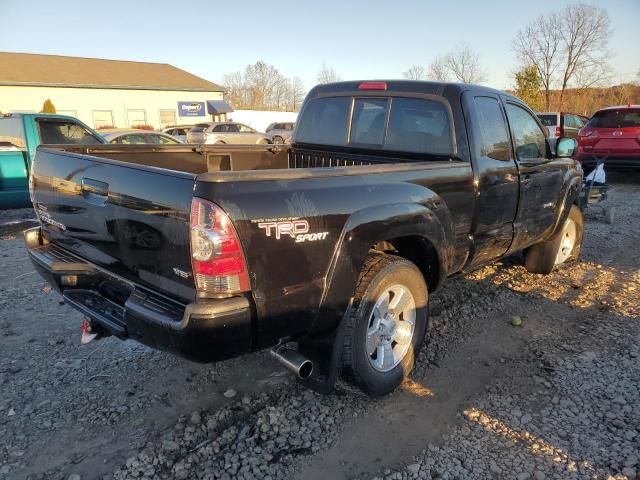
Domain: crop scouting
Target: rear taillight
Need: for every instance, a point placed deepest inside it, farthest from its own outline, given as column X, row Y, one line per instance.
column 558, row 131
column 372, row 86
column 216, row 255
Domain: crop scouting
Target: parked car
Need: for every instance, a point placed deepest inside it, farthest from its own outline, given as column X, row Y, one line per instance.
column 225, row 132
column 20, row 135
column 178, row 131
column 134, row 136
column 561, row 124
column 612, row 134
column 280, row 132
column 258, row 246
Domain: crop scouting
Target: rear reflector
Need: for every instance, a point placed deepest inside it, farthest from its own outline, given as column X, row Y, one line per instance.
column 216, row 256
column 373, row 86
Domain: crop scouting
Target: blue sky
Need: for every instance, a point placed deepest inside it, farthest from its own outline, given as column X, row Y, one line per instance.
column 360, row 39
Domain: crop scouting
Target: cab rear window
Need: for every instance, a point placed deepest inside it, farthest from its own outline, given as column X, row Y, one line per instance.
column 394, row 124
column 625, row 117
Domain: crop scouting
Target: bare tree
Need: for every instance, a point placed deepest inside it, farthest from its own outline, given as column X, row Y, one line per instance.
column 585, row 31
column 464, row 65
column 568, row 48
column 327, row 74
column 261, row 86
column 415, row 72
column 438, row 70
column 539, row 44
column 296, row 93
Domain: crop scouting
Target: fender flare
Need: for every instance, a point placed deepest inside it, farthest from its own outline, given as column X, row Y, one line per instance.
column 572, row 189
column 362, row 230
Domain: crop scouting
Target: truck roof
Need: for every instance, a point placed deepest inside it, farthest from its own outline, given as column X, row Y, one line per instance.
column 39, row 115
column 404, row 86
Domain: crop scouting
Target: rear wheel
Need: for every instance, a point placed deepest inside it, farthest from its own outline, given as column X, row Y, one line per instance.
column 220, row 142
column 263, row 141
column 387, row 326
column 564, row 246
column 278, row 139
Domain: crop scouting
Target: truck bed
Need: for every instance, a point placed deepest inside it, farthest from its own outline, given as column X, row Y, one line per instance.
column 197, row 159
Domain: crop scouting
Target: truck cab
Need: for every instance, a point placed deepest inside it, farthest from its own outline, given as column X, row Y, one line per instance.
column 20, row 135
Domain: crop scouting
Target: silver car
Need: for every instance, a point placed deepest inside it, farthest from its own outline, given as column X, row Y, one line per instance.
column 225, row 132
column 134, row 136
column 280, row 132
column 178, row 131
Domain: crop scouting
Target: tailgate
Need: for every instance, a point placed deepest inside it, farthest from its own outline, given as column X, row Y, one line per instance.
column 129, row 219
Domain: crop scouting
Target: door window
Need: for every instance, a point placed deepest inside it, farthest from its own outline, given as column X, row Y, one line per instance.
column 244, row 128
column 528, row 139
column 61, row 132
column 494, row 137
column 12, row 133
column 132, row 139
column 162, row 140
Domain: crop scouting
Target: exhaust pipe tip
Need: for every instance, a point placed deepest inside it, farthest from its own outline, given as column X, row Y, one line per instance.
column 294, row 361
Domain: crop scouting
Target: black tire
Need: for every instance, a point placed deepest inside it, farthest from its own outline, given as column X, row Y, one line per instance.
column 220, row 142
column 542, row 257
column 380, row 272
column 263, row 141
column 278, row 140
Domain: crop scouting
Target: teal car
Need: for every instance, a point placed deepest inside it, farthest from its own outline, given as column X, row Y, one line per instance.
column 20, row 135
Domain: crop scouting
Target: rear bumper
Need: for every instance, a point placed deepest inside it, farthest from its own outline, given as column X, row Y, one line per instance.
column 204, row 331
column 613, row 161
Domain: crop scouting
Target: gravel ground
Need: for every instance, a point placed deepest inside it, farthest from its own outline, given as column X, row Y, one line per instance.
column 557, row 397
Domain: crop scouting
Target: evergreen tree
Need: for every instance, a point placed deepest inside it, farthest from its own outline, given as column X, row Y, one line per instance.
column 528, row 87
column 48, row 106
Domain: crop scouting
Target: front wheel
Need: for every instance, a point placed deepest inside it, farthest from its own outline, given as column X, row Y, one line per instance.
column 278, row 140
column 564, row 246
column 387, row 326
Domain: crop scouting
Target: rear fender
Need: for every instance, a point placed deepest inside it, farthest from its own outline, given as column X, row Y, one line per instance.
column 363, row 230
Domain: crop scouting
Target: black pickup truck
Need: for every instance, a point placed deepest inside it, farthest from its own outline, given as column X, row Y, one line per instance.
column 326, row 250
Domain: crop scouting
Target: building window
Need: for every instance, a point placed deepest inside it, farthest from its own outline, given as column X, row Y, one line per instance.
column 136, row 117
column 68, row 113
column 167, row 117
column 102, row 118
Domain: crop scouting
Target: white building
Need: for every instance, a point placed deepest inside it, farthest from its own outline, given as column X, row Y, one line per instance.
column 108, row 92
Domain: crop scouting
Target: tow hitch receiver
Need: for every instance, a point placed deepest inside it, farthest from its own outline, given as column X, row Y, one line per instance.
column 86, row 332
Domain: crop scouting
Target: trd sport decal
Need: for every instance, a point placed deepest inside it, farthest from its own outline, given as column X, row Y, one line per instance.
column 297, row 229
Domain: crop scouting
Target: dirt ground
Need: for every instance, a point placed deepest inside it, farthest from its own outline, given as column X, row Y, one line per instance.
column 558, row 397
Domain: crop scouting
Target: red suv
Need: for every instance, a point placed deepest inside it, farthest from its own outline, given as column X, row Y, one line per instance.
column 612, row 134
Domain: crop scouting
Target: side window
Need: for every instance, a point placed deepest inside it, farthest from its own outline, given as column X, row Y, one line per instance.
column 244, row 128
column 420, row 126
column 368, row 121
column 494, row 137
column 528, row 139
column 161, row 140
column 12, row 133
column 133, row 139
column 61, row 132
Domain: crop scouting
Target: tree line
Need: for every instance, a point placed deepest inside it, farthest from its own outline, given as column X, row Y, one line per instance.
column 562, row 65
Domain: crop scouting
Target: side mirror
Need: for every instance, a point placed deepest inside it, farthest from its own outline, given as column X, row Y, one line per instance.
column 566, row 147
